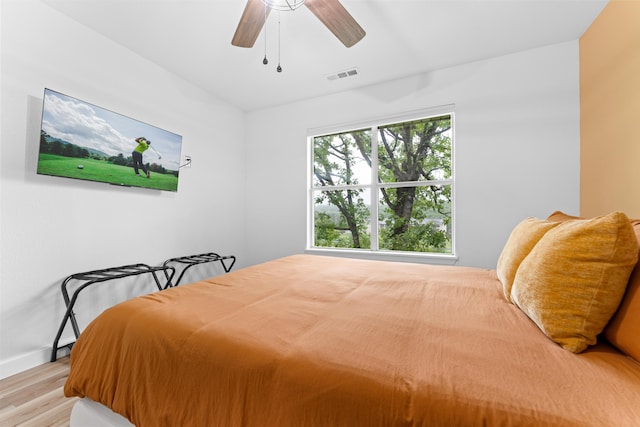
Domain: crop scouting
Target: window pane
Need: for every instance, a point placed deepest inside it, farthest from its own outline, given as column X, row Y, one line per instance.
column 342, row 159
column 411, row 179
column 415, row 151
column 342, row 219
column 416, row 219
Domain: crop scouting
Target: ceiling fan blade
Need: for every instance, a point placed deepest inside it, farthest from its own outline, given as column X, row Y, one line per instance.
column 250, row 24
column 336, row 18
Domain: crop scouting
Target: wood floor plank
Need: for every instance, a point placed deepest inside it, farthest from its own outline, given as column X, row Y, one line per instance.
column 37, row 405
column 35, row 397
column 25, row 394
column 57, row 416
column 26, row 378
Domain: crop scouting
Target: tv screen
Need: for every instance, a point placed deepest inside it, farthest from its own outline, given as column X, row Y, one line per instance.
column 83, row 141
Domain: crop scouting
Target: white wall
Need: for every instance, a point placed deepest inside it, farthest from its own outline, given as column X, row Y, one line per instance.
column 516, row 148
column 517, row 155
column 52, row 227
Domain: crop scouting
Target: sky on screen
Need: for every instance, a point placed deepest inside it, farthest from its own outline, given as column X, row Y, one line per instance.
column 89, row 126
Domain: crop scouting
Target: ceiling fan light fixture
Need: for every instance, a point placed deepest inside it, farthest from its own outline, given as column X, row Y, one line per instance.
column 284, row 5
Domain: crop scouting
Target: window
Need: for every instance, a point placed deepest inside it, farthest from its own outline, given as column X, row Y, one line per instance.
column 384, row 188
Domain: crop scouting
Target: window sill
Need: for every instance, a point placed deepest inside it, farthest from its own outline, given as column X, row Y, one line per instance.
column 423, row 258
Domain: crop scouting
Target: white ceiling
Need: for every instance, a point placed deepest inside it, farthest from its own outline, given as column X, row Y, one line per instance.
column 192, row 38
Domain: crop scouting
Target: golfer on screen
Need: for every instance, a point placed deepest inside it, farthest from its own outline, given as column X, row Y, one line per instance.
column 143, row 145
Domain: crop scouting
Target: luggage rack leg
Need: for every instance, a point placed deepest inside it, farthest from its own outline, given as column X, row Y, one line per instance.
column 98, row 276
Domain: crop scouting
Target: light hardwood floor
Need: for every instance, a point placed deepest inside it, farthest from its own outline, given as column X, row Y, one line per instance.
column 34, row 398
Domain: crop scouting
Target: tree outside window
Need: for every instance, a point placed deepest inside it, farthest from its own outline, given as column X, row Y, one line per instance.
column 385, row 188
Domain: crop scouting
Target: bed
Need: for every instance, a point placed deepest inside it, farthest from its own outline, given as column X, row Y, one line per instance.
column 309, row 340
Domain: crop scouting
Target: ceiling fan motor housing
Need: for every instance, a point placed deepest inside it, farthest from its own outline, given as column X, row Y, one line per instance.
column 283, row 4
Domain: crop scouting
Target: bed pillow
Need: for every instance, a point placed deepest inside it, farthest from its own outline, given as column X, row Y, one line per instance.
column 572, row 281
column 522, row 239
column 560, row 216
column 624, row 329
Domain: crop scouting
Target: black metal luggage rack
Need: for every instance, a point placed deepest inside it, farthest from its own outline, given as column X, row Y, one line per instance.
column 191, row 260
column 106, row 274
column 97, row 276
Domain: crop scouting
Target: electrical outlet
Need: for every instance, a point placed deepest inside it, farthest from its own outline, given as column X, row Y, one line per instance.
column 187, row 161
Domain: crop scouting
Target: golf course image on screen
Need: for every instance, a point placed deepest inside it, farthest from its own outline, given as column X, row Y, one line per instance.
column 82, row 141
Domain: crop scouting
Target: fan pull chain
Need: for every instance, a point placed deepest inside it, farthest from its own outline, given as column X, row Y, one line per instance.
column 279, row 68
column 265, row 61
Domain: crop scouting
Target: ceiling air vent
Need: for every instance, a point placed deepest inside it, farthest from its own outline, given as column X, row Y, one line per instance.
column 343, row 74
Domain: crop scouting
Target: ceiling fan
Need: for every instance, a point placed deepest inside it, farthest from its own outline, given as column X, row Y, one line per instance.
column 330, row 12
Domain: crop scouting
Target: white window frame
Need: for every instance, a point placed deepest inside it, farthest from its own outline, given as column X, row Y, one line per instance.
column 374, row 124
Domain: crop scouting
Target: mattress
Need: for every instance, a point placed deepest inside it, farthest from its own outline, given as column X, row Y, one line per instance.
column 86, row 412
column 323, row 341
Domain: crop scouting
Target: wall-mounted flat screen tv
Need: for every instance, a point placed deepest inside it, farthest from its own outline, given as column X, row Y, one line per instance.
column 83, row 141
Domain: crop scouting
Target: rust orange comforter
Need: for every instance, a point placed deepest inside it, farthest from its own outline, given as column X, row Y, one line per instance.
column 318, row 341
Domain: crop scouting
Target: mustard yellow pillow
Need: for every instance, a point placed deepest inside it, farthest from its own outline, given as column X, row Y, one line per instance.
column 560, row 216
column 572, row 281
column 523, row 238
column 623, row 331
